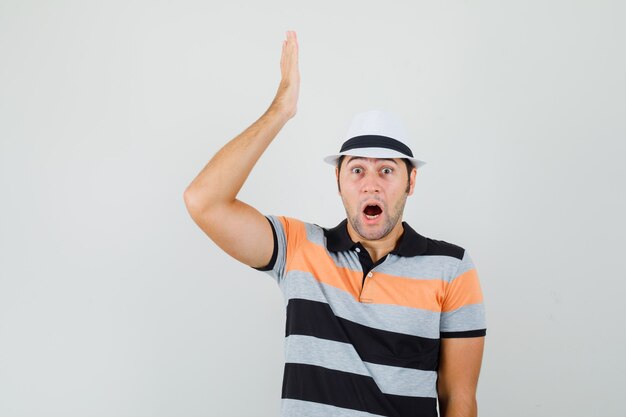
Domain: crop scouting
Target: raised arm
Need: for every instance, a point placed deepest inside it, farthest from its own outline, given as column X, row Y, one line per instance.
column 236, row 227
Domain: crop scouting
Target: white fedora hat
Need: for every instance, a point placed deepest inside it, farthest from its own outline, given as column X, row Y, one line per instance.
column 376, row 134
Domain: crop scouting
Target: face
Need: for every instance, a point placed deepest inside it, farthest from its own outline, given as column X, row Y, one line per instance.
column 374, row 192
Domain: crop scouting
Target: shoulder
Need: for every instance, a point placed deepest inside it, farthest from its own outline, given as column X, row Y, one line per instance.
column 436, row 247
column 413, row 243
column 293, row 227
column 286, row 221
column 455, row 258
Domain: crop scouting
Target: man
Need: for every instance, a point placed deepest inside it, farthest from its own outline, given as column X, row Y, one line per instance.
column 381, row 321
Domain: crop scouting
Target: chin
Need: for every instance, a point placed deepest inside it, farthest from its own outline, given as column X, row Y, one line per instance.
column 373, row 232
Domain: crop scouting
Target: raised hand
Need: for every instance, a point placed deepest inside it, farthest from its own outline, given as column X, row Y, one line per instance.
column 286, row 100
column 211, row 198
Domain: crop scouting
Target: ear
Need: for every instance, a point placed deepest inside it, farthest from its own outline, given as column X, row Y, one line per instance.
column 337, row 177
column 412, row 180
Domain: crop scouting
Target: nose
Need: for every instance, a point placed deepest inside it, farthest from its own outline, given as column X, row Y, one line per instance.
column 370, row 183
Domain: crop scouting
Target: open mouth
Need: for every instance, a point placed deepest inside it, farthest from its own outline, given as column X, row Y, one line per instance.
column 372, row 211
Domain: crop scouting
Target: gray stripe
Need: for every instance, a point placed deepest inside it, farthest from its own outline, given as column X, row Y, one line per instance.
column 404, row 381
column 346, row 259
column 315, row 234
column 441, row 267
column 420, row 267
column 407, row 320
column 445, row 268
column 466, row 264
column 299, row 408
column 469, row 317
column 342, row 357
column 325, row 353
column 279, row 267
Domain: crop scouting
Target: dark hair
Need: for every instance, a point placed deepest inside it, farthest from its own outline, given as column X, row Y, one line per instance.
column 407, row 163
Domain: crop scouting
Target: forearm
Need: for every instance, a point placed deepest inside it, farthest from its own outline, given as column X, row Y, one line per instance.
column 223, row 176
column 457, row 376
column 211, row 196
column 458, row 407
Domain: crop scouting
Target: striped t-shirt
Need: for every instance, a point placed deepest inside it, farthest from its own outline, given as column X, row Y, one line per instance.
column 362, row 338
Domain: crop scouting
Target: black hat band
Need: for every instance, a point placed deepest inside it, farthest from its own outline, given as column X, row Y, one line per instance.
column 376, row 141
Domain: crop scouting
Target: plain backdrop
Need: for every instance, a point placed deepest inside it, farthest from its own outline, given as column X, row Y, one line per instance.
column 114, row 303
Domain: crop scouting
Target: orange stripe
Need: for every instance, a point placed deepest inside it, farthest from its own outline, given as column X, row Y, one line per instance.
column 321, row 265
column 425, row 294
column 464, row 290
column 429, row 294
column 295, row 232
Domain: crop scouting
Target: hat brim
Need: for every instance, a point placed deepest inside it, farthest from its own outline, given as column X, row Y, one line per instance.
column 373, row 153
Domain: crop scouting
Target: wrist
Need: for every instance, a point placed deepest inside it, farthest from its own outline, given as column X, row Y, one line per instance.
column 279, row 113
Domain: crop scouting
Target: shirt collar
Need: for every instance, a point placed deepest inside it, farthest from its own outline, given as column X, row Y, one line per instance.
column 411, row 243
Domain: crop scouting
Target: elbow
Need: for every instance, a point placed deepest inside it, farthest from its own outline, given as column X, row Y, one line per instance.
column 191, row 200
column 187, row 197
column 457, row 404
column 457, row 393
column 199, row 202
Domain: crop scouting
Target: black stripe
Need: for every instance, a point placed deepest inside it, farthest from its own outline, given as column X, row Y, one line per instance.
column 376, row 141
column 469, row 333
column 313, row 318
column 441, row 247
column 272, row 262
column 347, row 390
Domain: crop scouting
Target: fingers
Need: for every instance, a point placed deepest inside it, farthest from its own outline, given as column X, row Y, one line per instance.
column 289, row 57
column 287, row 95
column 292, row 39
column 290, row 49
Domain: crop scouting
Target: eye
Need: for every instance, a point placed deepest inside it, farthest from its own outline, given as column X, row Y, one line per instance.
column 386, row 170
column 356, row 170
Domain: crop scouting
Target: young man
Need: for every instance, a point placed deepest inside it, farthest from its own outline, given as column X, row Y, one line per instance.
column 381, row 321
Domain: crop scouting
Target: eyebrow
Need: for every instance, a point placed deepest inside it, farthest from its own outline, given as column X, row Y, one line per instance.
column 361, row 157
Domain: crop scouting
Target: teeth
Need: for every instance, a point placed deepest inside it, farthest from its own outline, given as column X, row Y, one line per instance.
column 372, row 217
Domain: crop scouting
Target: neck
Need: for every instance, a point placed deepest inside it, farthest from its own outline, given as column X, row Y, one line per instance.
column 380, row 247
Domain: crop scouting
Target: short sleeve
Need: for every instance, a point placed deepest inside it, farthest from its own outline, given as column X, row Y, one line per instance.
column 286, row 238
column 463, row 311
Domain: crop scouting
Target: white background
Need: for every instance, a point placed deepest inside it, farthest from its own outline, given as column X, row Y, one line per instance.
column 113, row 302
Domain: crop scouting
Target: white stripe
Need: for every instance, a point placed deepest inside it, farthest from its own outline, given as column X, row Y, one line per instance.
column 343, row 357
column 393, row 318
column 299, row 408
